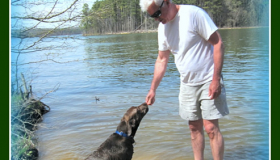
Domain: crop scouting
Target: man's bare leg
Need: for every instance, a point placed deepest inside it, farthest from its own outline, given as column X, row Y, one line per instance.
column 216, row 138
column 197, row 137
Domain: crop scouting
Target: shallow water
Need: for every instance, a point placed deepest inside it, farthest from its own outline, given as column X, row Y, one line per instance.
column 118, row 70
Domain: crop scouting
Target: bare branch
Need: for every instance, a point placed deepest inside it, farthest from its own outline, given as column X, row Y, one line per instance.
column 46, row 17
column 15, row 1
column 45, row 35
column 53, row 90
column 45, row 60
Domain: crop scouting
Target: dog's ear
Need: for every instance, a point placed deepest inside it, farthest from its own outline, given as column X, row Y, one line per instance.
column 125, row 127
column 122, row 126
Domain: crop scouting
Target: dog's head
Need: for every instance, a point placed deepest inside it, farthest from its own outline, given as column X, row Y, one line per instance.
column 132, row 118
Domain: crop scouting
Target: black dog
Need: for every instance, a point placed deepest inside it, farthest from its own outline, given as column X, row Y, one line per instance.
column 119, row 145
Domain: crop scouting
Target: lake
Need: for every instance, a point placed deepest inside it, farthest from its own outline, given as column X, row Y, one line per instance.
column 117, row 70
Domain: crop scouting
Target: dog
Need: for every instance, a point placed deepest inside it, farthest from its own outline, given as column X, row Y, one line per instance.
column 119, row 146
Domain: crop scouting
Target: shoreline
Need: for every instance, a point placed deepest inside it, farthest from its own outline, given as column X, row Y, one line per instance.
column 40, row 31
column 124, row 32
column 243, row 27
column 155, row 30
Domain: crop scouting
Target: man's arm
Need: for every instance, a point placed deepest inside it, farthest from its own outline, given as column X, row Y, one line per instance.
column 159, row 71
column 218, row 54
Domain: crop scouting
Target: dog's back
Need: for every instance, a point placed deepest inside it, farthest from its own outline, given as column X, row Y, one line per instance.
column 115, row 147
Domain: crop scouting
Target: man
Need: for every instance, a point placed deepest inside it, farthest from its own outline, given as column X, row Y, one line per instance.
column 190, row 35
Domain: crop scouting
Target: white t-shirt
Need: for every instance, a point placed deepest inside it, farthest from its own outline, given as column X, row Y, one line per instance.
column 186, row 37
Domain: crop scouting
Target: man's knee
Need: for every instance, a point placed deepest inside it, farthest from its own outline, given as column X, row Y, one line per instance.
column 211, row 129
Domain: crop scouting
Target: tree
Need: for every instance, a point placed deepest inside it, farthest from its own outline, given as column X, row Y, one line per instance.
column 116, row 16
column 85, row 21
column 258, row 11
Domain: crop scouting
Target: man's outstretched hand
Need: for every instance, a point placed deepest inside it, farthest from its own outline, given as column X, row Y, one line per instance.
column 150, row 99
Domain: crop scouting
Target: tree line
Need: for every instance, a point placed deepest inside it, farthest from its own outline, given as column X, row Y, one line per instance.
column 39, row 32
column 111, row 16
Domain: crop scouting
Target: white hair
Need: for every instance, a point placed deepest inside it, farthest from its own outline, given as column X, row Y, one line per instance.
column 144, row 4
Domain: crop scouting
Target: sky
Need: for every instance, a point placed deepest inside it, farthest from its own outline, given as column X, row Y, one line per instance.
column 42, row 9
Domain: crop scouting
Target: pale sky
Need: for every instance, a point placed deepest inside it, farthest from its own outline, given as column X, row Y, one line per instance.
column 43, row 9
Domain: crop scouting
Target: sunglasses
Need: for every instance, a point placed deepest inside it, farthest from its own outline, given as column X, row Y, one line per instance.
column 158, row 12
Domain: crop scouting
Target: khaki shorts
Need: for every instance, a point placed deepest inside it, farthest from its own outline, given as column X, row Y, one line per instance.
column 196, row 104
